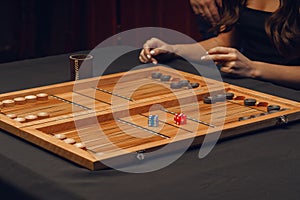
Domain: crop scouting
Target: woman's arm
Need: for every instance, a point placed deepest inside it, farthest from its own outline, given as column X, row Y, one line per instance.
column 234, row 62
column 191, row 51
column 208, row 9
column 285, row 75
column 194, row 52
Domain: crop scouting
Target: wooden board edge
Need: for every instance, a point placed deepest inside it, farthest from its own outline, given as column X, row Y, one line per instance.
column 70, row 152
column 266, row 96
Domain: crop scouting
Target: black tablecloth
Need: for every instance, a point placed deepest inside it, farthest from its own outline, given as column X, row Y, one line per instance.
column 261, row 165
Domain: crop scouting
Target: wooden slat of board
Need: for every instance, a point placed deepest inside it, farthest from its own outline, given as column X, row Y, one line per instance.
column 96, row 94
column 102, row 97
column 143, row 88
column 93, row 138
column 117, row 137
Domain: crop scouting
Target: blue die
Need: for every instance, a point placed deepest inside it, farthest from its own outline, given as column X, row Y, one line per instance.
column 153, row 121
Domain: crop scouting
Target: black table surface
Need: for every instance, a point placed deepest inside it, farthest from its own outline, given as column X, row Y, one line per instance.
column 262, row 165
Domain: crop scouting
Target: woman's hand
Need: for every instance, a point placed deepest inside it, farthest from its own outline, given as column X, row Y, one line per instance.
column 152, row 48
column 232, row 61
column 208, row 9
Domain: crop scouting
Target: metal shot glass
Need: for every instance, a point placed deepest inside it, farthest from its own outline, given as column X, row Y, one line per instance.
column 81, row 66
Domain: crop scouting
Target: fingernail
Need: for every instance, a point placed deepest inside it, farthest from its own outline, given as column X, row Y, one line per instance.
column 148, row 56
column 154, row 62
column 152, row 52
column 206, row 53
column 203, row 58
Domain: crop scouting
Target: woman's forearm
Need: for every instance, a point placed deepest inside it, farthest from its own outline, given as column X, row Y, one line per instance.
column 287, row 75
column 195, row 51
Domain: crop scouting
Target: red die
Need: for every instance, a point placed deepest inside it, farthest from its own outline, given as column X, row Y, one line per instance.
column 180, row 119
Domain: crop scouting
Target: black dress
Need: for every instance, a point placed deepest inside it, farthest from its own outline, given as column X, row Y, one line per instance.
column 255, row 44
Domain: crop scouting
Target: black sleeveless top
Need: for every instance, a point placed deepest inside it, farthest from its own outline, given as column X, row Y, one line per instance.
column 255, row 44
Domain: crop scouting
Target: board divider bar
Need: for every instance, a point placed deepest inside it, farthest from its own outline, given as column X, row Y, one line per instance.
column 92, row 98
column 143, row 128
column 70, row 102
column 113, row 94
column 192, row 119
column 171, row 124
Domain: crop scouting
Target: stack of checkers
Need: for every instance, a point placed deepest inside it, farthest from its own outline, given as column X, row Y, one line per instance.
column 153, row 121
column 218, row 98
column 176, row 83
column 250, row 102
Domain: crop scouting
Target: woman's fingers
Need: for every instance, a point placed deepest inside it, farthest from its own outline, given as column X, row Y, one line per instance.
column 221, row 54
column 154, row 61
column 220, row 57
column 222, row 50
column 211, row 13
column 232, row 61
column 152, row 48
column 195, row 6
column 143, row 56
column 146, row 56
column 208, row 9
column 147, row 53
column 227, row 70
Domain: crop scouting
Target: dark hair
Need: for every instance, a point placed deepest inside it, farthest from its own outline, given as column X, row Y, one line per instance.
column 282, row 27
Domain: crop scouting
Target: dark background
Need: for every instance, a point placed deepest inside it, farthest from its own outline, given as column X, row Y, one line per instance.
column 35, row 28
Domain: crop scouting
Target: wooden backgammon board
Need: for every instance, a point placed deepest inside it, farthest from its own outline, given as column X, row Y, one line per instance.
column 93, row 120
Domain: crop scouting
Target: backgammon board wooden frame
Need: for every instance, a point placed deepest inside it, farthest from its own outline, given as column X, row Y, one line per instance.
column 120, row 104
